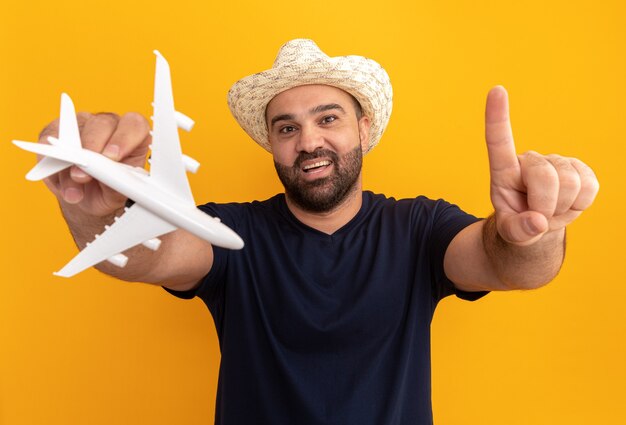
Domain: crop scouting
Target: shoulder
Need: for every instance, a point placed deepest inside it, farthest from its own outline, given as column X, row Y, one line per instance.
column 255, row 220
column 235, row 210
column 419, row 206
column 419, row 218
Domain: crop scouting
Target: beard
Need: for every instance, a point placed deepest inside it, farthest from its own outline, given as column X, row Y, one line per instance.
column 324, row 194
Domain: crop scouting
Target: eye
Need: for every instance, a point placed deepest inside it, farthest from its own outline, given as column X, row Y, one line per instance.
column 328, row 119
column 287, row 129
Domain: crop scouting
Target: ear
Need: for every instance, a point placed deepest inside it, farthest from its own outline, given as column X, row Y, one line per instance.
column 364, row 133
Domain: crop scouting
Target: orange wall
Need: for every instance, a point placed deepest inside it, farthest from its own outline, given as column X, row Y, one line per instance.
column 91, row 350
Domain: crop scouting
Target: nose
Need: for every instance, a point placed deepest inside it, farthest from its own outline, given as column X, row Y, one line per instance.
column 310, row 139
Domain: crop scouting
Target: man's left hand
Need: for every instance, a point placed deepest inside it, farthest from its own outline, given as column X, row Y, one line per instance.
column 532, row 194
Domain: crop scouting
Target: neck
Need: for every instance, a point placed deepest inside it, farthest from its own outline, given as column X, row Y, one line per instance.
column 330, row 221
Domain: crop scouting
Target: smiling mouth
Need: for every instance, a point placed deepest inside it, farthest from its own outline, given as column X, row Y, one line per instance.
column 316, row 166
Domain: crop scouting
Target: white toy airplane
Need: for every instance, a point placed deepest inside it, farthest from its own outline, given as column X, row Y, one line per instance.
column 163, row 198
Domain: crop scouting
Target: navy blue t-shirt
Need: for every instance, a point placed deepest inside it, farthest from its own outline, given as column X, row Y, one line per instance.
column 329, row 329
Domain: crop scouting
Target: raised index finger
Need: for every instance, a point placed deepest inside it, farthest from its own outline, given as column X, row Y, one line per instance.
column 498, row 133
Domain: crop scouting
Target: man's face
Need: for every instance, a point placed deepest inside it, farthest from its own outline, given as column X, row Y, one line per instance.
column 317, row 142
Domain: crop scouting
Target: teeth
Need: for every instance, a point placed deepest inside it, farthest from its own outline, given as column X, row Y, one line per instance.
column 317, row 164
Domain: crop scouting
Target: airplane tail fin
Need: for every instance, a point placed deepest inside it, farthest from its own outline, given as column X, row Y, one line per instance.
column 57, row 158
column 68, row 126
column 69, row 137
column 46, row 167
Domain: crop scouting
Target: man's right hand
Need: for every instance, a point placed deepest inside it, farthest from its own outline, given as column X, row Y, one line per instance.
column 88, row 205
column 124, row 139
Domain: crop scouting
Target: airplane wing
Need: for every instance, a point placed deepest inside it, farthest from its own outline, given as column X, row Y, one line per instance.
column 167, row 168
column 135, row 226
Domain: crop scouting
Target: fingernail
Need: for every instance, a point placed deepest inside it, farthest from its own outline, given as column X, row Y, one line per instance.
column 77, row 173
column 531, row 228
column 72, row 195
column 111, row 152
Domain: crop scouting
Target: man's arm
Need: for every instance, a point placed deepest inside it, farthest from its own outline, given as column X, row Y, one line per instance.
column 87, row 205
column 180, row 262
column 522, row 245
column 478, row 259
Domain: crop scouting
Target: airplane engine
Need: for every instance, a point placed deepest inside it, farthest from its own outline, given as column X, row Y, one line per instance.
column 191, row 164
column 183, row 121
column 118, row 260
column 152, row 244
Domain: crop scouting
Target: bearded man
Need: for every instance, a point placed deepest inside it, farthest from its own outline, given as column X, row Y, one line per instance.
column 324, row 316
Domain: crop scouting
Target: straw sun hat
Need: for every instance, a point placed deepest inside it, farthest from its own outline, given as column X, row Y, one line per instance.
column 300, row 62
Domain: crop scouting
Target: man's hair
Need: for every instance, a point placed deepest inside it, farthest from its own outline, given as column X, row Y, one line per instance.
column 357, row 107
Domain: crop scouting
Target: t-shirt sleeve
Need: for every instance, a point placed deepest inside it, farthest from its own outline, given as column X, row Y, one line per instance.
column 448, row 221
column 210, row 285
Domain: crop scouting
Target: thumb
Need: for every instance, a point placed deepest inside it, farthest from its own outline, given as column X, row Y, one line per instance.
column 523, row 228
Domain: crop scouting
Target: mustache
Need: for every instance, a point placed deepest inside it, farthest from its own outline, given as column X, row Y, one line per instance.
column 318, row 153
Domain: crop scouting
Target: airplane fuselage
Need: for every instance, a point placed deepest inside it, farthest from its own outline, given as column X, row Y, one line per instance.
column 135, row 183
